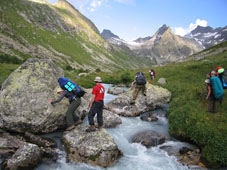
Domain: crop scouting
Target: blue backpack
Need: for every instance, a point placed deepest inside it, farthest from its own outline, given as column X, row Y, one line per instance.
column 217, row 87
column 71, row 87
column 224, row 79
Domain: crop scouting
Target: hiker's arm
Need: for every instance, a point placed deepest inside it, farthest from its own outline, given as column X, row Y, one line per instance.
column 60, row 98
column 209, row 92
column 132, row 84
column 92, row 100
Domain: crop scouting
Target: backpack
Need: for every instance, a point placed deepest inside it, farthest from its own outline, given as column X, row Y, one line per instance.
column 224, row 79
column 140, row 79
column 71, row 87
column 217, row 87
column 153, row 73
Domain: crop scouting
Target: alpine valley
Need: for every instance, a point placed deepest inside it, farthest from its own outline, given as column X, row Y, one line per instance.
column 35, row 28
column 165, row 46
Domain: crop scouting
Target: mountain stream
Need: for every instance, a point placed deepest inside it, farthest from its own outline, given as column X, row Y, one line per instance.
column 136, row 156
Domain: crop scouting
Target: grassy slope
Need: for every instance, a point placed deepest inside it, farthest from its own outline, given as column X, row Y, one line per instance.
column 66, row 43
column 188, row 115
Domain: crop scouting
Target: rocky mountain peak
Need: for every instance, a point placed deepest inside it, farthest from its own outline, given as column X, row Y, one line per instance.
column 107, row 34
column 162, row 29
column 200, row 29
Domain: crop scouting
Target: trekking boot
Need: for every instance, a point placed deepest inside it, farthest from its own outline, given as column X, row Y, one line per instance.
column 132, row 102
column 78, row 122
column 91, row 128
column 70, row 128
column 98, row 127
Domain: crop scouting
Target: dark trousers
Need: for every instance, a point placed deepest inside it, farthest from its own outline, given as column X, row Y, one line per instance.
column 71, row 118
column 97, row 107
column 212, row 104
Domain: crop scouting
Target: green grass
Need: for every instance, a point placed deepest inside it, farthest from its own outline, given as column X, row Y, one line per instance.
column 5, row 70
column 69, row 43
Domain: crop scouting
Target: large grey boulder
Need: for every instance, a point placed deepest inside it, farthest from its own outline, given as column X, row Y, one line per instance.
column 24, row 99
column 9, row 145
column 116, row 90
column 110, row 119
column 17, row 153
column 149, row 138
column 155, row 97
column 26, row 157
column 25, row 151
column 96, row 148
column 162, row 81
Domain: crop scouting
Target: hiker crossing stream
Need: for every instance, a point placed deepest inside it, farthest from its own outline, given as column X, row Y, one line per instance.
column 135, row 155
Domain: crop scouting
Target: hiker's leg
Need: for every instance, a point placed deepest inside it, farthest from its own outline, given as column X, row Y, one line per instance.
column 99, row 114
column 70, row 112
column 137, row 89
column 78, row 102
column 210, row 105
column 92, row 113
column 144, row 89
column 214, row 106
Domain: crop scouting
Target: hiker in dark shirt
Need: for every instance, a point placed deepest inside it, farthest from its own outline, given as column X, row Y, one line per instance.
column 140, row 85
column 71, row 119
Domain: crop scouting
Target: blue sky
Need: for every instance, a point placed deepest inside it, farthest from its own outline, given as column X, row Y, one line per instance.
column 131, row 19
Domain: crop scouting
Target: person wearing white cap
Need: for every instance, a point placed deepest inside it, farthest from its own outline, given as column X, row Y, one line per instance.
column 96, row 105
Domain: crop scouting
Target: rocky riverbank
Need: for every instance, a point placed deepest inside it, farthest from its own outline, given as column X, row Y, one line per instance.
column 24, row 109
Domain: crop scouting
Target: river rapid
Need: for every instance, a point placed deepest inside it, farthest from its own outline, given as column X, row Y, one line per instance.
column 136, row 156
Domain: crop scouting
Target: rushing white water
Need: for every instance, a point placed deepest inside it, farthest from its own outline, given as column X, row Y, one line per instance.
column 136, row 156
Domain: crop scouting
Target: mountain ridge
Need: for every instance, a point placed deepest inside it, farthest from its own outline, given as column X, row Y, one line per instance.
column 208, row 36
column 60, row 32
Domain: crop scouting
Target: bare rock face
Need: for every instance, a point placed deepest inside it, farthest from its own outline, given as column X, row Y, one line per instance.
column 155, row 97
column 96, row 148
column 24, row 98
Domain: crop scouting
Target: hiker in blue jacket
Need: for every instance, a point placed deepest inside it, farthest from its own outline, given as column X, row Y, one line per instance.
column 217, row 89
column 71, row 119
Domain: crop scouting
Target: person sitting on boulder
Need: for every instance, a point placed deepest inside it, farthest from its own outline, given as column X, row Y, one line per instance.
column 140, row 82
column 71, row 119
column 96, row 105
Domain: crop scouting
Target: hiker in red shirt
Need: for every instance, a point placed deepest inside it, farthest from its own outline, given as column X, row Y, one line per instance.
column 96, row 105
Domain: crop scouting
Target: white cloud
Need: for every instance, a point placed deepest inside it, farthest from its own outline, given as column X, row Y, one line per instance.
column 95, row 4
column 90, row 5
column 180, row 31
column 183, row 31
column 125, row 1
